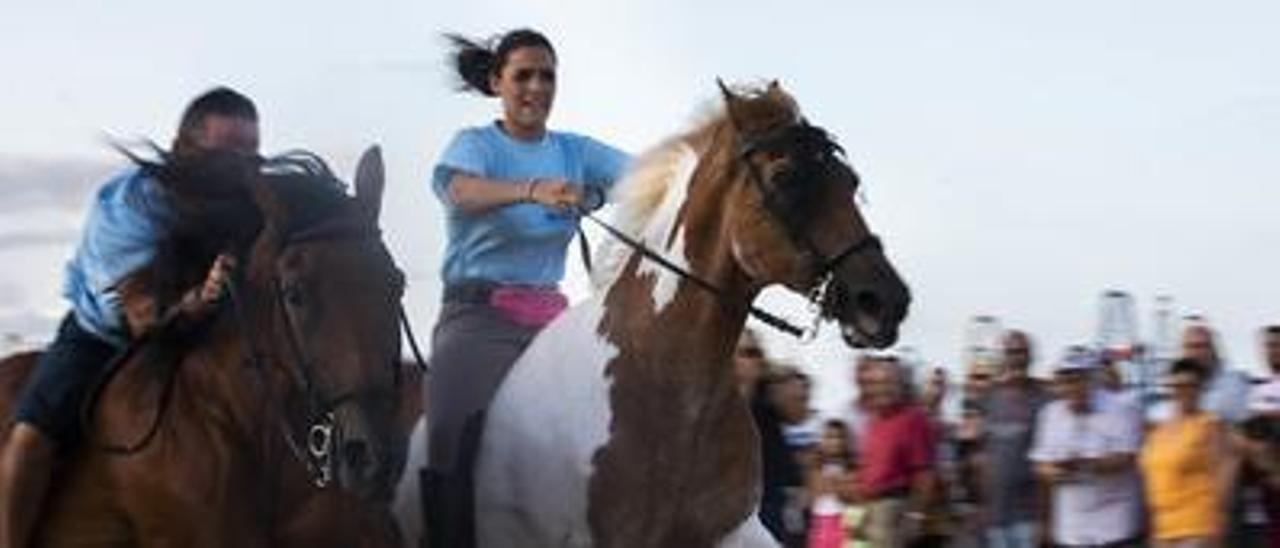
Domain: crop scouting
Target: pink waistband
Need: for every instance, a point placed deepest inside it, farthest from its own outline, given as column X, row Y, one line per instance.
column 528, row 306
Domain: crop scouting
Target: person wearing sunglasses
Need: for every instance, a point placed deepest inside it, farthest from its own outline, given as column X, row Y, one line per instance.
column 511, row 190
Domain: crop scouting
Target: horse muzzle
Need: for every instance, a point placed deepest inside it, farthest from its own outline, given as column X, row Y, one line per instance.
column 870, row 314
column 362, row 463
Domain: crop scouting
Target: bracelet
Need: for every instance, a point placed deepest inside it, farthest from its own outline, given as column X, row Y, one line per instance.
column 528, row 195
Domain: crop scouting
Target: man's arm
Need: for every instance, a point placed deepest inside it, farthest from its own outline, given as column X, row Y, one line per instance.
column 142, row 310
column 1113, row 463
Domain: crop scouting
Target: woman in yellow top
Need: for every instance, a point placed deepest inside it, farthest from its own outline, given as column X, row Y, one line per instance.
column 1188, row 467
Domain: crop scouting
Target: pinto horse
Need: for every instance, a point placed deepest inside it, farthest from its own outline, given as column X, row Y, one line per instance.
column 621, row 425
column 273, row 422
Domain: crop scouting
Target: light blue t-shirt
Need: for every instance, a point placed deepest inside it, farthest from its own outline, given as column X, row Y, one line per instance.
column 127, row 218
column 518, row 243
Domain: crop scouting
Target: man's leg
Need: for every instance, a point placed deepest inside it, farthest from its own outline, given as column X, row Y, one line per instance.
column 46, row 423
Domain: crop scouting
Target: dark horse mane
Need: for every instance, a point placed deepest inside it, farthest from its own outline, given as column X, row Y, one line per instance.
column 217, row 206
column 215, row 210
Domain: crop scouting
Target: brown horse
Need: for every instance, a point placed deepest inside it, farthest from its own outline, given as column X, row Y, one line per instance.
column 621, row 425
column 278, row 421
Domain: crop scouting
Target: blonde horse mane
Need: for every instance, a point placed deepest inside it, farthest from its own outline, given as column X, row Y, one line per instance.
column 649, row 196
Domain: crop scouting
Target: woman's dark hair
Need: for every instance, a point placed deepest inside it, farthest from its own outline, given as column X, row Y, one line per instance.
column 1188, row 366
column 476, row 60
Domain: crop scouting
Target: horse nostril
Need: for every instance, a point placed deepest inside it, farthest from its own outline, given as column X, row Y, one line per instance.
column 356, row 454
column 868, row 303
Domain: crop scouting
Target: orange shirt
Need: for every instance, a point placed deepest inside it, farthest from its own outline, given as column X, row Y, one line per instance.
column 1180, row 460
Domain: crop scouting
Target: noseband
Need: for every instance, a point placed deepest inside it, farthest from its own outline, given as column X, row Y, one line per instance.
column 322, row 437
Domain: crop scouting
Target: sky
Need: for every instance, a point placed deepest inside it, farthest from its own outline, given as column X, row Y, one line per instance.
column 1018, row 158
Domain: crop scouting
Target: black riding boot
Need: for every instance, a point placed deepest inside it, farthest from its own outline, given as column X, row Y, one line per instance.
column 448, row 505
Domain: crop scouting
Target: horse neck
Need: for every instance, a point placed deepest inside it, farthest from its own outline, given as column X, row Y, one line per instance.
column 668, row 321
column 240, row 378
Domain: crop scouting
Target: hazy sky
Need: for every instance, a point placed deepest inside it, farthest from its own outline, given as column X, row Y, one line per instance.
column 1018, row 157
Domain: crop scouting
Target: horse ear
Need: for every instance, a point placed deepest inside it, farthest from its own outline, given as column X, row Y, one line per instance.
column 775, row 89
column 724, row 91
column 732, row 103
column 370, row 182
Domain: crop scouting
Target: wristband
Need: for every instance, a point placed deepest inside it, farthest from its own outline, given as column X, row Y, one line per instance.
column 528, row 194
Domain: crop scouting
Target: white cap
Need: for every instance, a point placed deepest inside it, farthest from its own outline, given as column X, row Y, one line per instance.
column 1077, row 358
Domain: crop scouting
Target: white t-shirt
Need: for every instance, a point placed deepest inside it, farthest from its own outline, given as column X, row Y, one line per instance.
column 1091, row 508
column 1265, row 398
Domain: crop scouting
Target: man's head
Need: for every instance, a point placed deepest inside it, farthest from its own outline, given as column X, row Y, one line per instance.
column 1017, row 355
column 935, row 389
column 220, row 119
column 1073, row 376
column 884, row 383
column 1197, row 344
column 1271, row 347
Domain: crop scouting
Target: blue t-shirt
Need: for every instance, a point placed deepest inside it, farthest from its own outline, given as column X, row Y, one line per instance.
column 517, row 243
column 127, row 218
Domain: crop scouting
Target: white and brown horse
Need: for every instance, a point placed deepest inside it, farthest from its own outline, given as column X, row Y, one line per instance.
column 621, row 424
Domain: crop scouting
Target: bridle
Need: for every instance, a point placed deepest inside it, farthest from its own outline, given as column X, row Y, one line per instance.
column 799, row 140
column 322, row 437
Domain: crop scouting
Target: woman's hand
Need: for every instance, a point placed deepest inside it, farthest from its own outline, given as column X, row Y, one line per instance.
column 557, row 193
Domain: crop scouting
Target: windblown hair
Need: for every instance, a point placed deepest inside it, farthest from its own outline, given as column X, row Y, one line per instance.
column 476, row 60
column 213, row 208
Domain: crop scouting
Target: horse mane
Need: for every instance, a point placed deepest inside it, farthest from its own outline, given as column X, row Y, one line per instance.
column 648, row 198
column 214, row 210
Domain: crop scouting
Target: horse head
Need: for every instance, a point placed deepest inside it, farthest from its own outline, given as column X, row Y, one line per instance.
column 322, row 298
column 794, row 219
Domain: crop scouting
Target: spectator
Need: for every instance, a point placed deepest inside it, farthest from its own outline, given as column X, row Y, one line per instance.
column 827, row 479
column 1258, row 439
column 940, row 520
column 934, row 394
column 1225, row 393
column 1009, row 491
column 1188, row 466
column 781, row 400
column 895, row 459
column 855, row 415
column 1226, row 390
column 1084, row 450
